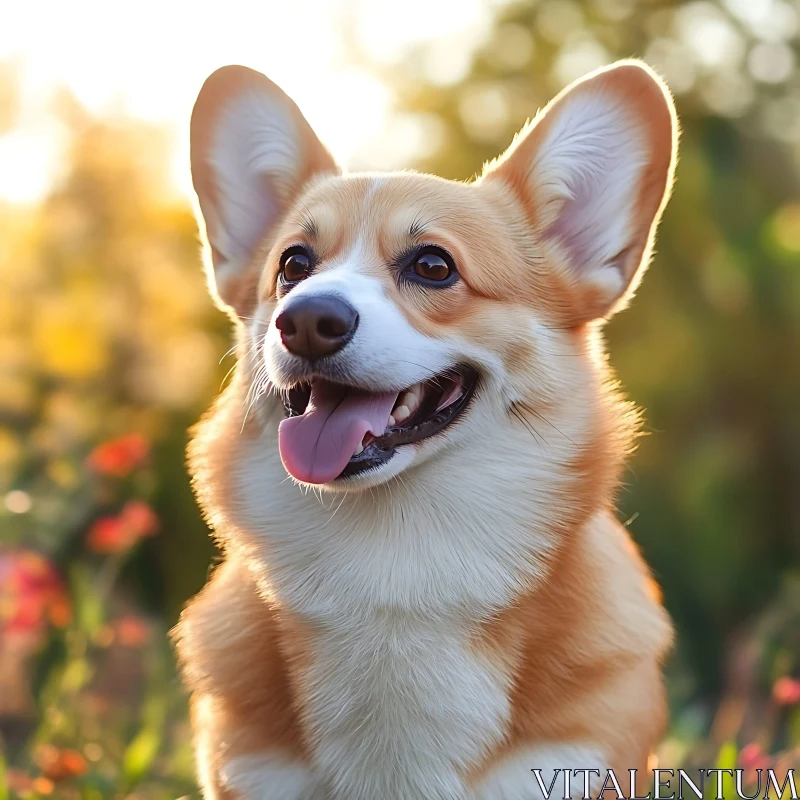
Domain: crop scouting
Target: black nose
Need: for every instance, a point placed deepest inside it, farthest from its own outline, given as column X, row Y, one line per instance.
column 316, row 326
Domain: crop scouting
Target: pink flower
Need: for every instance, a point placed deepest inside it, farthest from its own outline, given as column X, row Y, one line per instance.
column 786, row 691
column 751, row 759
column 19, row 781
column 119, row 457
column 751, row 756
column 31, row 593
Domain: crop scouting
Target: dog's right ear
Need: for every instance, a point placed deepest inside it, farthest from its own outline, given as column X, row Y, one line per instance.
column 251, row 153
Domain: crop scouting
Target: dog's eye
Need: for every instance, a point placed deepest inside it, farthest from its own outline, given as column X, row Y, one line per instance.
column 295, row 265
column 433, row 266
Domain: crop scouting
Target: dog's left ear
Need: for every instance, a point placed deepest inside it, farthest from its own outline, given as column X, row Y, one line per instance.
column 593, row 173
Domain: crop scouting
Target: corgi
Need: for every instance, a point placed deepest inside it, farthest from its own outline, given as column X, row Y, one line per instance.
column 425, row 593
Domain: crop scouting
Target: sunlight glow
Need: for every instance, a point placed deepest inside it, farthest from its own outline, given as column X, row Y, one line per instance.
column 149, row 60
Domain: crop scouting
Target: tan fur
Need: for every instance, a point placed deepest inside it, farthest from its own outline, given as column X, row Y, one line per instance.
column 231, row 655
column 579, row 647
column 589, row 677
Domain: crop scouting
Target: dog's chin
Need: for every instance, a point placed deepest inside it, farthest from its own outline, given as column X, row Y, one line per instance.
column 427, row 413
column 402, row 459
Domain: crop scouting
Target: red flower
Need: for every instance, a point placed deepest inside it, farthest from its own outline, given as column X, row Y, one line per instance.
column 119, row 457
column 130, row 631
column 139, row 517
column 786, row 691
column 60, row 764
column 117, row 534
column 31, row 593
column 107, row 535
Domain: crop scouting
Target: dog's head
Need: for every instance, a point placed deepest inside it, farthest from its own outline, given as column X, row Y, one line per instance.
column 401, row 316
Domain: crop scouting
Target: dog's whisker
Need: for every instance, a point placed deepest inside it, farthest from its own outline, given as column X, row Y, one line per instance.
column 256, row 390
column 227, row 375
column 230, row 351
column 528, row 425
column 536, row 413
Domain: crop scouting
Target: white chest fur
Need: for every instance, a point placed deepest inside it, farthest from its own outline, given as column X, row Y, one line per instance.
column 397, row 700
column 399, row 708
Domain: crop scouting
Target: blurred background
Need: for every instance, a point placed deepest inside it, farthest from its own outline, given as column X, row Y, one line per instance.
column 110, row 348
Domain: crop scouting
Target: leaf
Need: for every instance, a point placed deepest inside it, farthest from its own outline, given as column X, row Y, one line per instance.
column 3, row 784
column 726, row 759
column 76, row 675
column 727, row 756
column 91, row 793
column 794, row 727
column 140, row 754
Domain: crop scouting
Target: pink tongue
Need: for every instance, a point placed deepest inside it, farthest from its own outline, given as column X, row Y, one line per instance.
column 316, row 446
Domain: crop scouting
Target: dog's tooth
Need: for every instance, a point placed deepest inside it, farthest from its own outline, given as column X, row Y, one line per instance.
column 364, row 442
column 392, row 420
column 410, row 401
column 401, row 414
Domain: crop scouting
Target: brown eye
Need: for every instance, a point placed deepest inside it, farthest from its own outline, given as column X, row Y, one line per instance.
column 295, row 265
column 434, row 266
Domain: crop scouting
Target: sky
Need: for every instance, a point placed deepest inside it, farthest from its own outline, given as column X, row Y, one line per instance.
column 150, row 58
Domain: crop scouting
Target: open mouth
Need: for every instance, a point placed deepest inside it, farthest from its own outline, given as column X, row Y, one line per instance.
column 336, row 431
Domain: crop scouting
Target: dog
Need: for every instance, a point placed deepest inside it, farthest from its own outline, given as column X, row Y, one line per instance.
column 424, row 592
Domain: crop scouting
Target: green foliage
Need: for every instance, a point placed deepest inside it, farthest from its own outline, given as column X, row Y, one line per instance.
column 109, row 348
column 3, row 781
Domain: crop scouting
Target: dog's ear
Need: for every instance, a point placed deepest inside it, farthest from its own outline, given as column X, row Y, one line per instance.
column 251, row 152
column 593, row 172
